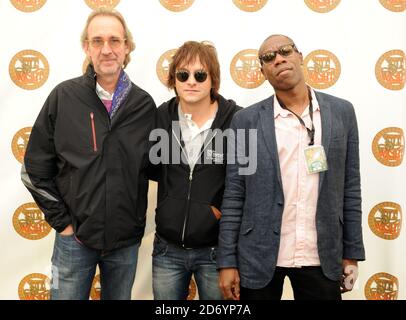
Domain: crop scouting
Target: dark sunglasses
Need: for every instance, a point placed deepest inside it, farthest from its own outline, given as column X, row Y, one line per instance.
column 284, row 51
column 183, row 75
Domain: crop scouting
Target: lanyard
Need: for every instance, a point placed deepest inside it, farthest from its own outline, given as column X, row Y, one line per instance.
column 310, row 132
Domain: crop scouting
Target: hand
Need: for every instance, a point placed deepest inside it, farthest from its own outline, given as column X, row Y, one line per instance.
column 229, row 283
column 68, row 231
column 350, row 275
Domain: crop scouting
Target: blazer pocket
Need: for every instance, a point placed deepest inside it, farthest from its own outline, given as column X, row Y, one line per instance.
column 246, row 229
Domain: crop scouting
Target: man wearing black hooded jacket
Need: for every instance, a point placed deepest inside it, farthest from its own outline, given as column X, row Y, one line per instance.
column 192, row 159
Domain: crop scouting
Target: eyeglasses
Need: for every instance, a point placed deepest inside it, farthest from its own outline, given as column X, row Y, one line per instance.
column 284, row 51
column 183, row 75
column 113, row 42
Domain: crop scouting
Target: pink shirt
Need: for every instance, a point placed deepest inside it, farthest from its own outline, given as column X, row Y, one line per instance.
column 298, row 242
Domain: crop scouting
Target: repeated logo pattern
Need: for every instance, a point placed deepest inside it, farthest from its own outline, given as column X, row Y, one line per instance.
column 162, row 66
column 385, row 220
column 95, row 291
column 19, row 143
column 29, row 222
column 29, row 69
column 28, row 5
column 382, row 286
column 321, row 69
column 192, row 290
column 394, row 5
column 250, row 5
column 388, row 146
column 177, row 5
column 34, row 286
column 390, row 70
column 245, row 69
column 95, row 4
column 322, row 6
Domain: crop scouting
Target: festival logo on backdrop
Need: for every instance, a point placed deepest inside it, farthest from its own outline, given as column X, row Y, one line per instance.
column 250, row 5
column 19, row 143
column 95, row 291
column 245, row 69
column 162, row 66
column 385, row 220
column 28, row 5
column 192, row 290
column 177, row 5
column 35, row 286
column 321, row 69
column 29, row 222
column 388, row 146
column 394, row 5
column 390, row 70
column 382, row 286
column 96, row 4
column 29, row 69
column 322, row 6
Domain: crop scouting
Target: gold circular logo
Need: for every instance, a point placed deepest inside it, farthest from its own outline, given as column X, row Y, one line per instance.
column 96, row 4
column 388, row 146
column 29, row 222
column 28, row 6
column 177, row 5
column 19, row 143
column 192, row 290
column 321, row 69
column 29, row 69
column 162, row 66
column 394, row 5
column 322, row 6
column 382, row 286
column 95, row 291
column 245, row 69
column 35, row 286
column 385, row 220
column 250, row 5
column 390, row 70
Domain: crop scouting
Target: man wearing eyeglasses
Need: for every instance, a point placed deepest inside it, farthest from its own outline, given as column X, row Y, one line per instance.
column 191, row 182
column 85, row 166
column 299, row 214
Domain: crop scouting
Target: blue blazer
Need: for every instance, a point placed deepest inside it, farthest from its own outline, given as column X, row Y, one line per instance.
column 253, row 204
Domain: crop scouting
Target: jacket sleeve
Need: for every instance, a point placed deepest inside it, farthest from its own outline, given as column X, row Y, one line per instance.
column 353, row 247
column 233, row 202
column 40, row 167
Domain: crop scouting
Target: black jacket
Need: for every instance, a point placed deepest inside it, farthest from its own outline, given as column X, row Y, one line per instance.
column 92, row 179
column 184, row 215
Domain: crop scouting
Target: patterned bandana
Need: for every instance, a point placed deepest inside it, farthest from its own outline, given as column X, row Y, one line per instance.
column 122, row 90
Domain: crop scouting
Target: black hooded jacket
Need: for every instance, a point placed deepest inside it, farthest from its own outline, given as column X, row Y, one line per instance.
column 184, row 213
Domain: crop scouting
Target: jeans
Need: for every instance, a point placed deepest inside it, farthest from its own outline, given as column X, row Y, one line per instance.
column 74, row 267
column 172, row 269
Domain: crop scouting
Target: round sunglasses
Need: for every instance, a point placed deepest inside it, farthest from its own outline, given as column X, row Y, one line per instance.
column 183, row 75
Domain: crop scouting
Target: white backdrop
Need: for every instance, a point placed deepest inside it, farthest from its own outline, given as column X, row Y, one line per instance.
column 357, row 33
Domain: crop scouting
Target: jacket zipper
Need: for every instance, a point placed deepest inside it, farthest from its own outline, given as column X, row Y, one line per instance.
column 93, row 132
column 190, row 182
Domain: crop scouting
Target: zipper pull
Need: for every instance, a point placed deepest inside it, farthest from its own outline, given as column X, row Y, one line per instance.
column 93, row 132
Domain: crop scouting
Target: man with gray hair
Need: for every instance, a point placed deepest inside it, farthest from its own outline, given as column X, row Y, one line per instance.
column 85, row 166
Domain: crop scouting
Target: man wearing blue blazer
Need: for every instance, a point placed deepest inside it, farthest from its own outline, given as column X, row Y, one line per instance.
column 299, row 213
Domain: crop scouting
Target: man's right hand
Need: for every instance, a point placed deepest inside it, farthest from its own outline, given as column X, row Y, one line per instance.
column 229, row 283
column 68, row 231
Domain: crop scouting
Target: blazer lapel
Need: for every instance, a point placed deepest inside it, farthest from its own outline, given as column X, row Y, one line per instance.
column 325, row 114
column 267, row 120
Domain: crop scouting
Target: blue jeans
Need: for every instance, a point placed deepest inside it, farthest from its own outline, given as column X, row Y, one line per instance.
column 74, row 267
column 172, row 269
